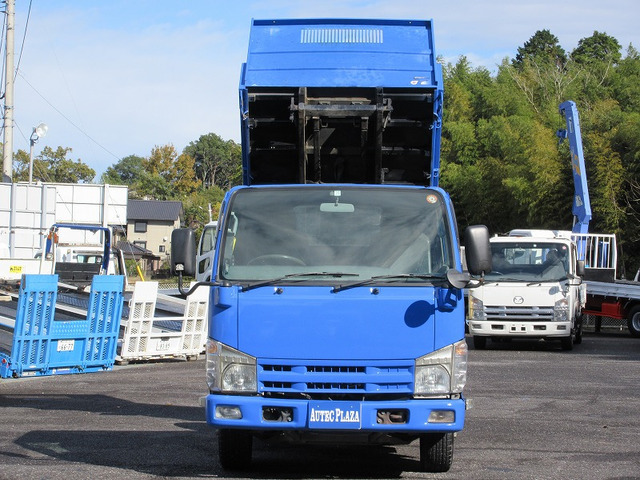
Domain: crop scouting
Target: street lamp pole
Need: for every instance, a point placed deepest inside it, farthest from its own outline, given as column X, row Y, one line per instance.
column 39, row 131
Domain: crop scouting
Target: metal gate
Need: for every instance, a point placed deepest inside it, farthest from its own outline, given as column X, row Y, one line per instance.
column 44, row 345
column 147, row 337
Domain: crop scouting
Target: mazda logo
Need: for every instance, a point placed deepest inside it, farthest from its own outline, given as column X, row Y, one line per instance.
column 518, row 300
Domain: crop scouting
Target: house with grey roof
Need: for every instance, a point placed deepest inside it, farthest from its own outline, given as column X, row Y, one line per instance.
column 149, row 226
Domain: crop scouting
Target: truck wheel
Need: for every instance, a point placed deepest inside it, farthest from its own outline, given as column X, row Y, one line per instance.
column 479, row 343
column 567, row 342
column 436, row 452
column 578, row 327
column 633, row 321
column 234, row 449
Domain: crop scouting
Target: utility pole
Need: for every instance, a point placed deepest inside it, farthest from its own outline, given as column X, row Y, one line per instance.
column 7, row 171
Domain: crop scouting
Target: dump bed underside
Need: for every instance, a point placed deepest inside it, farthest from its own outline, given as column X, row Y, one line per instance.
column 340, row 135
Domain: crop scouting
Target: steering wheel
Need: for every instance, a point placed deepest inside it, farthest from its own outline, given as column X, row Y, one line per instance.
column 276, row 259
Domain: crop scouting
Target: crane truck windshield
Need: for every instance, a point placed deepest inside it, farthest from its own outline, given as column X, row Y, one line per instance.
column 529, row 262
column 398, row 233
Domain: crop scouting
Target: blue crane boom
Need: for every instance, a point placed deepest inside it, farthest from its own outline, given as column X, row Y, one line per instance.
column 581, row 203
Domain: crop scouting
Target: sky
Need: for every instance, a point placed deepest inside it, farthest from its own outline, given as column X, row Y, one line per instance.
column 119, row 77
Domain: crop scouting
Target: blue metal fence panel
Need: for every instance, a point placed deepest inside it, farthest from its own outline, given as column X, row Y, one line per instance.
column 31, row 335
column 43, row 345
column 104, row 314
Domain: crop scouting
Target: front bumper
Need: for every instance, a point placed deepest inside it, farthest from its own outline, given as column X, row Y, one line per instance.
column 409, row 416
column 510, row 328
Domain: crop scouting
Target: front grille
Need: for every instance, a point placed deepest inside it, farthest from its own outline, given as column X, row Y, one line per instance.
column 370, row 377
column 532, row 313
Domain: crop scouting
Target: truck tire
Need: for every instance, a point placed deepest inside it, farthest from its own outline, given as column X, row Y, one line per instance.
column 479, row 343
column 578, row 327
column 633, row 321
column 234, row 449
column 436, row 452
column 567, row 342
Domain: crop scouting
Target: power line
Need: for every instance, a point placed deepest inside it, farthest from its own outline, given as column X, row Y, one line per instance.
column 24, row 37
column 67, row 118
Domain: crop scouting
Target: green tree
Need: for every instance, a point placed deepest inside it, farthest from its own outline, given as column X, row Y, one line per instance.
column 626, row 82
column 126, row 172
column 52, row 166
column 152, row 186
column 217, row 162
column 594, row 59
column 196, row 208
column 176, row 171
column 599, row 47
column 542, row 47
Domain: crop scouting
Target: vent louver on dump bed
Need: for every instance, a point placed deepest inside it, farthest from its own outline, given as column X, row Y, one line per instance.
column 341, row 35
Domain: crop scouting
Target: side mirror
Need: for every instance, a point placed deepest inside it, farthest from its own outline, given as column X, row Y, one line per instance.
column 580, row 268
column 458, row 279
column 183, row 252
column 477, row 249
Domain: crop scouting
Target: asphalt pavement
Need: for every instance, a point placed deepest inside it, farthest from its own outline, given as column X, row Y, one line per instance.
column 537, row 413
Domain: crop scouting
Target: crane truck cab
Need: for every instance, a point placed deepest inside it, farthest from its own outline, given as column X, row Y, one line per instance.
column 535, row 290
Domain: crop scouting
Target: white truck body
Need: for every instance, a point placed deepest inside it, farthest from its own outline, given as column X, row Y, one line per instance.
column 527, row 294
column 27, row 211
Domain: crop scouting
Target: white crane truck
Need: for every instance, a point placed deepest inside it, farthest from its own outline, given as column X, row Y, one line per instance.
column 535, row 289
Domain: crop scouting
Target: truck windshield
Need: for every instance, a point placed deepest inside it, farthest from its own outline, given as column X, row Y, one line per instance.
column 529, row 262
column 352, row 233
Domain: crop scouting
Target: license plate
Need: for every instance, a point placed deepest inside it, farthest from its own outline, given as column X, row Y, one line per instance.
column 163, row 346
column 334, row 415
column 66, row 345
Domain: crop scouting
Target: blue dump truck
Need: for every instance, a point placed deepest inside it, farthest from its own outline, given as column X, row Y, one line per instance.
column 337, row 307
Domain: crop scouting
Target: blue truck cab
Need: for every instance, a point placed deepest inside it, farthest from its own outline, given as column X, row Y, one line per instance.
column 337, row 308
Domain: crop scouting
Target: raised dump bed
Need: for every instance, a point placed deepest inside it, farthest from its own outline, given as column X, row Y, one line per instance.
column 43, row 344
column 146, row 336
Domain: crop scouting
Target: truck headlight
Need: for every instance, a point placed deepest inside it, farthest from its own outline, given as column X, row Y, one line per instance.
column 443, row 371
column 476, row 309
column 229, row 370
column 561, row 311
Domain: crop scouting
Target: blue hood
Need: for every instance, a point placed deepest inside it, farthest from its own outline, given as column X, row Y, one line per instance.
column 314, row 323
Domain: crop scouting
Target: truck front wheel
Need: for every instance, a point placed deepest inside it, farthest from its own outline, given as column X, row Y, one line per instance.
column 578, row 327
column 479, row 343
column 567, row 342
column 234, row 449
column 436, row 452
column 633, row 321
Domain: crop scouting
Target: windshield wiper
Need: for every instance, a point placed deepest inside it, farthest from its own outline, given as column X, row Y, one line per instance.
column 548, row 280
column 273, row 281
column 503, row 279
column 371, row 280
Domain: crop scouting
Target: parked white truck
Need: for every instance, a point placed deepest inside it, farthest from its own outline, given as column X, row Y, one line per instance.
column 28, row 212
column 534, row 291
